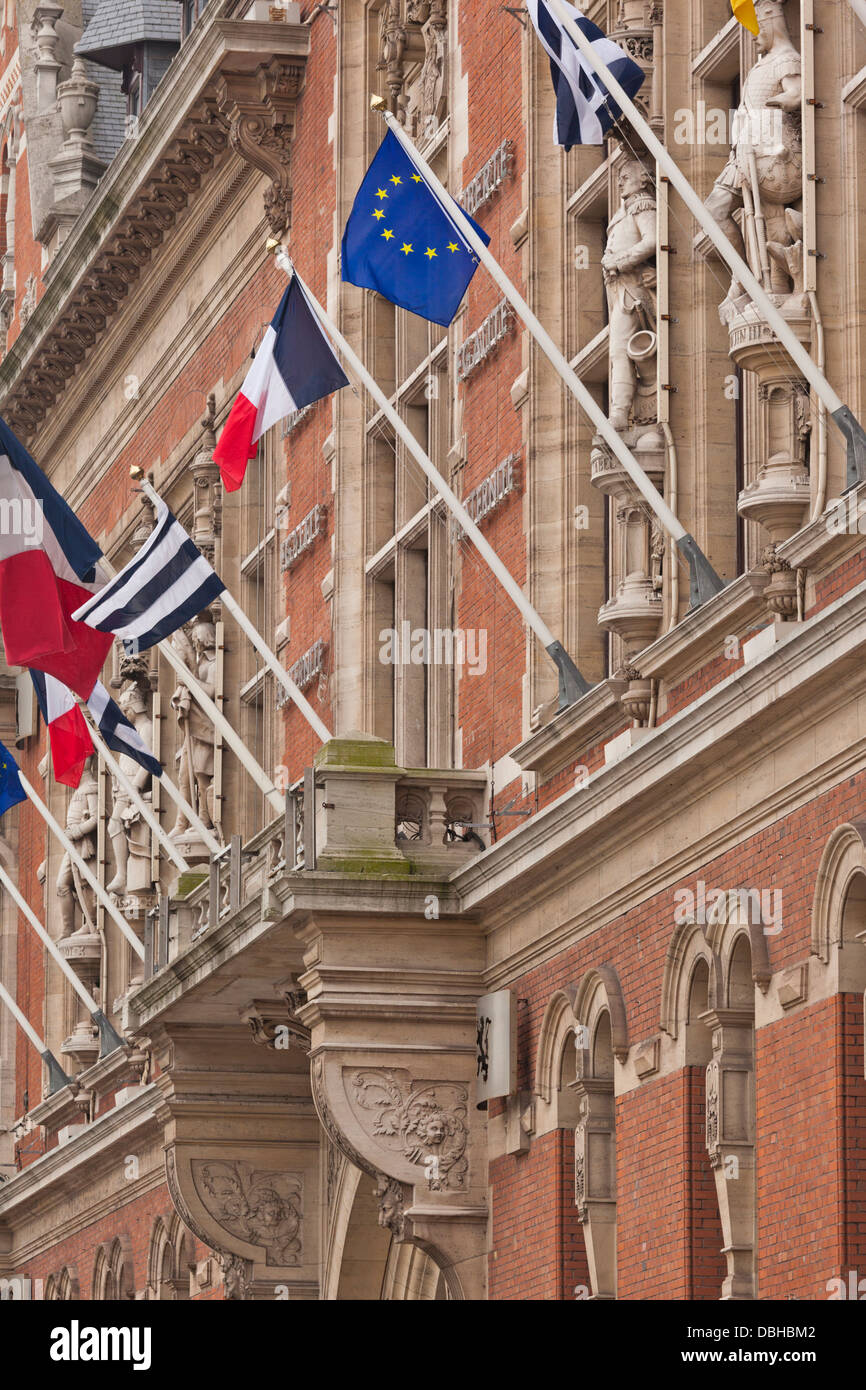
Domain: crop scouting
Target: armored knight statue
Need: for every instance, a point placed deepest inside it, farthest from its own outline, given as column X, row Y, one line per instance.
column 130, row 837
column 196, row 755
column 756, row 198
column 81, row 822
column 629, row 269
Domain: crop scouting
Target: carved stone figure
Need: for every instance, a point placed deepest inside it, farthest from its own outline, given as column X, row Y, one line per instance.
column 196, row 756
column 81, row 822
column 130, row 837
column 629, row 271
column 755, row 199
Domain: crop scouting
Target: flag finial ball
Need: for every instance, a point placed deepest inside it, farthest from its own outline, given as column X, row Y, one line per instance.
column 272, row 244
column 377, row 103
column 136, row 473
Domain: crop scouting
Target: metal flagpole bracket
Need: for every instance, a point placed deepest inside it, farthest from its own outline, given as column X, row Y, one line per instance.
column 109, row 1040
column 572, row 685
column 57, row 1078
column 856, row 439
column 704, row 583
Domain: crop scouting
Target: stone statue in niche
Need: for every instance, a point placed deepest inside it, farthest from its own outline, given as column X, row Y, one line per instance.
column 130, row 836
column 629, row 269
column 756, row 198
column 195, row 644
column 81, row 821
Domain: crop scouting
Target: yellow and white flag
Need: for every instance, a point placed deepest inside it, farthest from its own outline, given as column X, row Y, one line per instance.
column 745, row 13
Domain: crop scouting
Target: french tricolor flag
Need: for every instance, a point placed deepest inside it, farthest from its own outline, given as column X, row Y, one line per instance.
column 71, row 744
column 48, row 568
column 294, row 366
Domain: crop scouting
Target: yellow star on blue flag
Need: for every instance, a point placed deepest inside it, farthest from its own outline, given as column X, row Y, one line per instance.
column 430, row 281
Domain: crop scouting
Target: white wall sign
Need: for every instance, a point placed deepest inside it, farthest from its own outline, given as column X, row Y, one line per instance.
column 495, row 1046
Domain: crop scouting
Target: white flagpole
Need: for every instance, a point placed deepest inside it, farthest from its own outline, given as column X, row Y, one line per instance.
column 217, row 718
column 82, row 865
column 844, row 418
column 57, row 1076
column 704, row 580
column 261, row 646
column 108, row 1037
column 115, row 769
column 571, row 683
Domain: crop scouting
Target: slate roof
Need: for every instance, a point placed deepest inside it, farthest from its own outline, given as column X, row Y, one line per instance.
column 120, row 24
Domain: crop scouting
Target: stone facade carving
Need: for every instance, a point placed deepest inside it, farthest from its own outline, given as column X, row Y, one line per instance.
column 756, row 198
column 260, row 1207
column 129, row 835
column 428, row 1124
column 237, row 1276
column 259, row 108
column 195, row 644
column 390, row 1196
column 757, row 201
column 413, row 51
column 629, row 270
column 76, row 899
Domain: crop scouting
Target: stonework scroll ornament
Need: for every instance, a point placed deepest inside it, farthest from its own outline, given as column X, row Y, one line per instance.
column 259, row 1207
column 427, row 1123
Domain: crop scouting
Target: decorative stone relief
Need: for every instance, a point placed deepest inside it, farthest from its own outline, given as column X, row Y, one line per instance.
column 260, row 1207
column 426, row 1123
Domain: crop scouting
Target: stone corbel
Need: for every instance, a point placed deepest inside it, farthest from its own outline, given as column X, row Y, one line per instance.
column 260, row 109
column 242, row 1157
column 414, row 1132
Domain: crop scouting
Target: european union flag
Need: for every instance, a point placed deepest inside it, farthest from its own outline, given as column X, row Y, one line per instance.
column 401, row 240
column 11, row 791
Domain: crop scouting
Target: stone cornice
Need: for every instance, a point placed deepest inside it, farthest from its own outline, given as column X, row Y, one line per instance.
column 301, row 895
column 573, row 730
column 700, row 741
column 58, row 1171
column 185, row 129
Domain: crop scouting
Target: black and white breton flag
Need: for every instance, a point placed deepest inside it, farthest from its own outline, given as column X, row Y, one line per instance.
column 168, row 583
column 585, row 110
column 119, row 734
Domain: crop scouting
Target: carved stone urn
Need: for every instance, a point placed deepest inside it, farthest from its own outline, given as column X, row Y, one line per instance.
column 77, row 99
